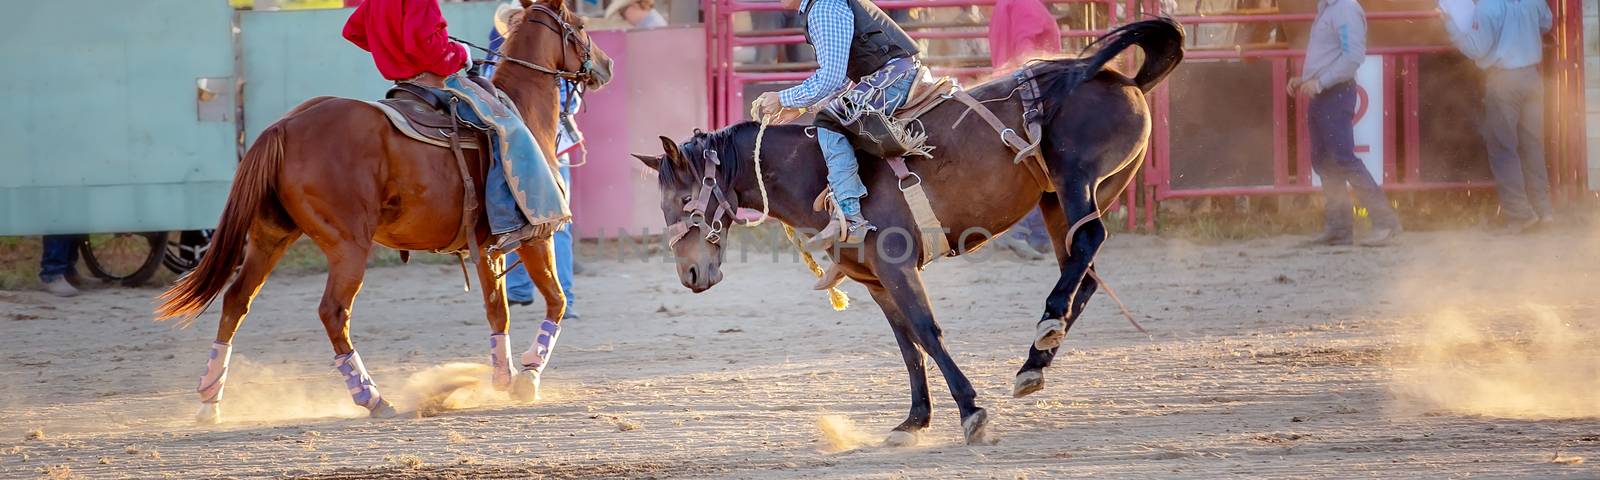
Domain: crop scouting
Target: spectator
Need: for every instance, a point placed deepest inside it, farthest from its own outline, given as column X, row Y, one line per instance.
column 639, row 13
column 519, row 286
column 1337, row 47
column 58, row 263
column 1019, row 30
column 1504, row 39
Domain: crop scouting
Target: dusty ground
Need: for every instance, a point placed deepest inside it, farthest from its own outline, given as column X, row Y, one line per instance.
column 1455, row 354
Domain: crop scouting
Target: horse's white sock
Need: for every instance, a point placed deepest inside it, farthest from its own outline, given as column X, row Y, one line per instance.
column 362, row 390
column 210, row 388
column 538, row 354
column 500, row 359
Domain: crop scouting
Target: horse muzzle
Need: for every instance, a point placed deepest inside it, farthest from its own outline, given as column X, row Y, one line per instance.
column 699, row 278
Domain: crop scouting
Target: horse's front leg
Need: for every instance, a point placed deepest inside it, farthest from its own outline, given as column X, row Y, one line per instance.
column 539, row 257
column 909, row 431
column 904, row 286
column 499, row 317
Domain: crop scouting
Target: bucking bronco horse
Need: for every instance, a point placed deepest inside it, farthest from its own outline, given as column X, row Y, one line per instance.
column 1094, row 127
column 336, row 170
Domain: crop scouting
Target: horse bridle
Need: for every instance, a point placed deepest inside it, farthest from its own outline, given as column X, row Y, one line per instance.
column 695, row 209
column 568, row 33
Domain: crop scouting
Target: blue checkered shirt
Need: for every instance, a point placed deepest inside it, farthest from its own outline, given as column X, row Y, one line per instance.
column 831, row 26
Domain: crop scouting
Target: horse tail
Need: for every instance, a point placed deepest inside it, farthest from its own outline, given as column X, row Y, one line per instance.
column 1160, row 38
column 255, row 180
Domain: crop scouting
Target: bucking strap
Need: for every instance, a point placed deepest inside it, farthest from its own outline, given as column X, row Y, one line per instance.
column 1026, row 149
column 930, row 232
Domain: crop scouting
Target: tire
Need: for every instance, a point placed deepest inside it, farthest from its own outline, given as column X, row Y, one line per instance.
column 185, row 251
column 128, row 258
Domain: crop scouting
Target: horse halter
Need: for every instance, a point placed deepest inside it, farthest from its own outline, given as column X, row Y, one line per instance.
column 696, row 207
column 568, row 37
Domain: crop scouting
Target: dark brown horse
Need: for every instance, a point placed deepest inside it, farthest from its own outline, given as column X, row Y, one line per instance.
column 1095, row 126
column 335, row 170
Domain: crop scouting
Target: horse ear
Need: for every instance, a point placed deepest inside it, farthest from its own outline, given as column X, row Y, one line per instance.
column 653, row 162
column 672, row 153
column 557, row 5
column 526, row 3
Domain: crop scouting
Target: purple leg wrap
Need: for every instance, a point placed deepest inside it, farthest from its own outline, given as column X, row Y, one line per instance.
column 500, row 359
column 538, row 354
column 210, row 388
column 362, row 390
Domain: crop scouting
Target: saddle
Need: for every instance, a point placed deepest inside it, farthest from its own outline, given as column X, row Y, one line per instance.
column 928, row 92
column 425, row 116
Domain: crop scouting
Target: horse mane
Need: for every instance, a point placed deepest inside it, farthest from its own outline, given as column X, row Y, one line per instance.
column 723, row 141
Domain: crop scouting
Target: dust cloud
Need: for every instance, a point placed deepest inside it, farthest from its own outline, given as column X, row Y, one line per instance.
column 840, row 434
column 451, row 386
column 1508, row 331
column 259, row 393
column 1527, row 365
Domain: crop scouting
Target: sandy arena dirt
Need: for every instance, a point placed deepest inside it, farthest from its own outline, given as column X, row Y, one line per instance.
column 1454, row 354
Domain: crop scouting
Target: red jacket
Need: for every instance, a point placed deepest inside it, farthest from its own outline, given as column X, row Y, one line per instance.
column 406, row 38
column 1019, row 29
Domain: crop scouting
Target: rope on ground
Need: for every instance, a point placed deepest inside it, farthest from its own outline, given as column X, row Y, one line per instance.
column 1113, row 294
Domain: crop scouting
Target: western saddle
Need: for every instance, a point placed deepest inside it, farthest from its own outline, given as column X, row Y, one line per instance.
column 428, row 116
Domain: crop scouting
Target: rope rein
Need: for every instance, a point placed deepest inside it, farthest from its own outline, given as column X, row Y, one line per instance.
column 761, row 181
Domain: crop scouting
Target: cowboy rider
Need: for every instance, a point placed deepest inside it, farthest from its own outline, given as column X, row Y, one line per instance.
column 410, row 44
column 854, row 41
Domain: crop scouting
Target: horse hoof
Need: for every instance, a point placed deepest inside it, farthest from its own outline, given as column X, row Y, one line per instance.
column 901, row 439
column 1027, row 382
column 525, row 386
column 210, row 414
column 976, row 426
column 1051, row 332
column 383, row 410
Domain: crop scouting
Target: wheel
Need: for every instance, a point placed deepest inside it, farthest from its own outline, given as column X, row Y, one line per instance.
column 129, row 258
column 184, row 253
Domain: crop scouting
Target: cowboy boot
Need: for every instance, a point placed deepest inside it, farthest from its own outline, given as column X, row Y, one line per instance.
column 506, row 242
column 856, row 229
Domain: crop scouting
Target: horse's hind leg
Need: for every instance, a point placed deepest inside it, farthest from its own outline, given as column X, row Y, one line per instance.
column 347, row 265
column 907, row 433
column 539, row 256
column 1030, row 378
column 1085, row 234
column 266, row 246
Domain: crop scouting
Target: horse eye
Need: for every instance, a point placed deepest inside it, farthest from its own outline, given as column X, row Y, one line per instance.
column 687, row 198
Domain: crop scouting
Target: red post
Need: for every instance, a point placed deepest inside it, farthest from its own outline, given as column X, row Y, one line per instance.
column 1412, row 118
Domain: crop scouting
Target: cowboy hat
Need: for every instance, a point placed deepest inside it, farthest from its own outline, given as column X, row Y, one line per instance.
column 618, row 6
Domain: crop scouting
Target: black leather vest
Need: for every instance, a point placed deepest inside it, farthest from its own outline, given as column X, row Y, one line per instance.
column 876, row 41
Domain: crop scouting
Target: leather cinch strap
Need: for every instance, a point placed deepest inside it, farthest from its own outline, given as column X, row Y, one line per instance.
column 930, row 232
column 1026, row 149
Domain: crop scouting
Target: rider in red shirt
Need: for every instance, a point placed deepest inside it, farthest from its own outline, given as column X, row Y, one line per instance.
column 407, row 38
column 523, row 197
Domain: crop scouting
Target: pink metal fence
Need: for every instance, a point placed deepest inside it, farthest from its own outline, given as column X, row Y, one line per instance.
column 1400, row 113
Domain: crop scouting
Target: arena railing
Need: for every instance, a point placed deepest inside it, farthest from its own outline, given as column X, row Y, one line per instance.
column 1565, row 115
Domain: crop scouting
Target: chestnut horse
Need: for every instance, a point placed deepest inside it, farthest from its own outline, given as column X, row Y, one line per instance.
column 335, row 170
column 1095, row 127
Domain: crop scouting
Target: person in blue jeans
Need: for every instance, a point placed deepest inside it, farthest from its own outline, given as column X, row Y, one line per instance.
column 1505, row 40
column 855, row 42
column 59, row 261
column 1337, row 47
column 519, row 286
